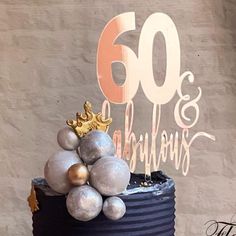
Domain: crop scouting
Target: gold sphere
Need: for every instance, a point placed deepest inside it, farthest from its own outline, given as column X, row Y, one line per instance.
column 78, row 174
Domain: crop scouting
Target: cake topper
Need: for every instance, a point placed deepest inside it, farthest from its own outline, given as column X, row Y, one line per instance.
column 158, row 145
column 88, row 121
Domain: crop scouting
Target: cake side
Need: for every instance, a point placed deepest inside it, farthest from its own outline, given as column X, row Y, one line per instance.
column 149, row 211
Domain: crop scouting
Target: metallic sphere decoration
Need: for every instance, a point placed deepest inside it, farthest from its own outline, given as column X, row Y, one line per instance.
column 94, row 145
column 55, row 170
column 67, row 139
column 110, row 175
column 78, row 174
column 114, row 208
column 84, row 203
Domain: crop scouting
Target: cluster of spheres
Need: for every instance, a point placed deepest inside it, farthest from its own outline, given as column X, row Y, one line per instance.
column 86, row 169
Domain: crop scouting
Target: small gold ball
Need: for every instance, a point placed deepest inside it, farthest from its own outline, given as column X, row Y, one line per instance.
column 78, row 174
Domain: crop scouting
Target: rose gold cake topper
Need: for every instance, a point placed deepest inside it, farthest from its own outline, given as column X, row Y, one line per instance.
column 157, row 146
column 88, row 121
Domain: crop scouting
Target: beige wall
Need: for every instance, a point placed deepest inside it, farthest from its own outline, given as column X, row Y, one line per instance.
column 47, row 70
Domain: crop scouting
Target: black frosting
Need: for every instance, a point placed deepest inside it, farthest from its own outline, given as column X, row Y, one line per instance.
column 150, row 212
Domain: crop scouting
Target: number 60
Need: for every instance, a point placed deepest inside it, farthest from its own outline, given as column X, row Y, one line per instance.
column 138, row 69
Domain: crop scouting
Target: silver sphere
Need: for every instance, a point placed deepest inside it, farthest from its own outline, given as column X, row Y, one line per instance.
column 67, row 139
column 114, row 208
column 95, row 145
column 84, row 203
column 55, row 170
column 110, row 175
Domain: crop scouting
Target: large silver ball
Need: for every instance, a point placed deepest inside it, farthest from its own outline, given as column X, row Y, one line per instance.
column 67, row 139
column 110, row 175
column 114, row 208
column 56, row 168
column 84, row 203
column 95, row 145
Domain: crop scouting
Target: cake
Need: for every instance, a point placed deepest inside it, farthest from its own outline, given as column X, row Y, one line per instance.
column 149, row 211
column 91, row 192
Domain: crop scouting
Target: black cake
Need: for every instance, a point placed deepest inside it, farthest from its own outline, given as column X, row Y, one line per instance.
column 150, row 211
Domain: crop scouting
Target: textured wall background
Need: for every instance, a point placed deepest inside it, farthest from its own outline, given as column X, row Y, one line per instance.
column 47, row 71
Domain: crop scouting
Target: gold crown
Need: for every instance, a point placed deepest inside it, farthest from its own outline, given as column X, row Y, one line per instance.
column 88, row 121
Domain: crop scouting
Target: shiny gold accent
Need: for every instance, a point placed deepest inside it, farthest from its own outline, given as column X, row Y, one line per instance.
column 32, row 200
column 78, row 174
column 88, row 121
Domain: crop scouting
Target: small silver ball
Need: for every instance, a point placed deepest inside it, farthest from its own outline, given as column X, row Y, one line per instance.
column 67, row 139
column 55, row 170
column 110, row 175
column 84, row 203
column 94, row 145
column 114, row 208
